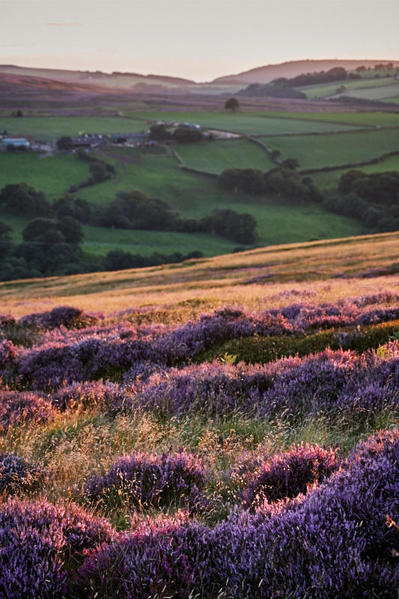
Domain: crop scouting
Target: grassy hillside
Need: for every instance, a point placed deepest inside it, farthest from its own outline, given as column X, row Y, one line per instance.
column 337, row 269
column 356, row 119
column 156, row 172
column 329, row 181
column 330, row 89
column 53, row 174
column 249, row 123
column 220, row 155
column 330, row 150
column 315, row 139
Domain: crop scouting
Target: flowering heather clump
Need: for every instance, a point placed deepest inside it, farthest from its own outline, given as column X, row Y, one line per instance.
column 8, row 352
column 149, row 479
column 21, row 409
column 66, row 316
column 106, row 351
column 291, row 473
column 380, row 442
column 6, row 320
column 338, row 541
column 207, row 389
column 328, row 382
column 155, row 560
column 16, row 474
column 39, row 542
column 95, row 394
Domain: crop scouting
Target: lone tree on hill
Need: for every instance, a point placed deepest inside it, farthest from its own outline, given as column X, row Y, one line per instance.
column 232, row 104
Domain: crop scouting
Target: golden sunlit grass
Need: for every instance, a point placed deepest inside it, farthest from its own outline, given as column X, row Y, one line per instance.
column 254, row 279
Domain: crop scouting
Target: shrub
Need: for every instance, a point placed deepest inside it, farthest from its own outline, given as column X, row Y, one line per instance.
column 88, row 395
column 148, row 479
column 22, row 409
column 17, row 475
column 335, row 542
column 66, row 316
column 40, row 542
column 291, row 473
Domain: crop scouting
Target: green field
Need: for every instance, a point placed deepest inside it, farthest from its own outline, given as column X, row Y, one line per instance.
column 331, row 150
column 330, row 89
column 53, row 175
column 99, row 241
column 356, row 119
column 47, row 128
column 216, row 156
column 159, row 175
column 156, row 172
column 329, row 181
column 375, row 93
column 247, row 123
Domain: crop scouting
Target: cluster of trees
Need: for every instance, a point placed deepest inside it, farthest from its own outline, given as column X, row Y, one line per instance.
column 49, row 247
column 134, row 210
column 22, row 200
column 52, row 247
column 182, row 134
column 52, row 238
column 330, row 76
column 284, row 180
column 272, row 90
column 371, row 198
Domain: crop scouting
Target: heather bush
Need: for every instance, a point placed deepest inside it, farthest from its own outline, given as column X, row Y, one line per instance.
column 17, row 475
column 66, row 316
column 8, row 353
column 40, row 543
column 63, row 359
column 156, row 560
column 332, row 382
column 143, row 479
column 338, row 541
column 24, row 408
column 6, row 320
column 291, row 473
column 109, row 397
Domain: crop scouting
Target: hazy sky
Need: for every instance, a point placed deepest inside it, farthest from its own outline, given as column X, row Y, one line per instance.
column 199, row 39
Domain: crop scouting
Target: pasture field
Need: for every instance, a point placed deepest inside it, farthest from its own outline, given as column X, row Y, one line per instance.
column 375, row 93
column 158, row 175
column 330, row 180
column 48, row 128
column 100, row 240
column 329, row 89
column 156, row 172
column 53, row 174
column 220, row 155
column 356, row 119
column 333, row 150
column 247, row 123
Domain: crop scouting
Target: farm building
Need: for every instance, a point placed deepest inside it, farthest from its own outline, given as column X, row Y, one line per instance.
column 16, row 142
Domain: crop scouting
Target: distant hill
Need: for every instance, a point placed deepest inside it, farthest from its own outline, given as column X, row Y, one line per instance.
column 100, row 82
column 115, row 80
column 293, row 68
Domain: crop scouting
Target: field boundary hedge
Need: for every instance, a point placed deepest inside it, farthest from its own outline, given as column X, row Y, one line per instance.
column 326, row 169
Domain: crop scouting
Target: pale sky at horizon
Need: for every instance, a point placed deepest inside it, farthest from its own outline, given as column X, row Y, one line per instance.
column 197, row 39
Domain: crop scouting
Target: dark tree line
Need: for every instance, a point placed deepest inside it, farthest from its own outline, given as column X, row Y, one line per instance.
column 283, row 181
column 134, row 210
column 52, row 247
column 182, row 134
column 371, row 198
